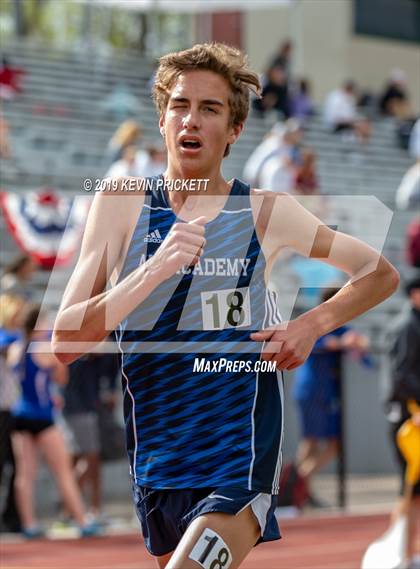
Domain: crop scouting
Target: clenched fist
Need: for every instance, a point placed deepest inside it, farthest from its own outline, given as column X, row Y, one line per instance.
column 183, row 246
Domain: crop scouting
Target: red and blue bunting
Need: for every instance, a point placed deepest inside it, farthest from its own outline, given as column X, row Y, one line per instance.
column 44, row 224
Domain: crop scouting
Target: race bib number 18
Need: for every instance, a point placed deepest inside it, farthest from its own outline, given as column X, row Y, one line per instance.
column 211, row 552
column 226, row 308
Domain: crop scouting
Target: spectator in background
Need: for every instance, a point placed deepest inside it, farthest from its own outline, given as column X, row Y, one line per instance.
column 281, row 145
column 10, row 80
column 413, row 243
column 11, row 308
column 157, row 158
column 316, row 391
column 394, row 100
column 129, row 133
column 408, row 192
column 403, row 131
column 139, row 163
column 306, row 179
column 403, row 340
column 18, row 275
column 128, row 164
column 302, row 106
column 341, row 113
column 414, row 142
column 271, row 145
column 35, row 429
column 92, row 379
column 275, row 94
column 283, row 58
column 156, row 162
column 278, row 172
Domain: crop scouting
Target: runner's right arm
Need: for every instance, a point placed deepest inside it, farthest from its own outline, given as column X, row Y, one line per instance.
column 88, row 311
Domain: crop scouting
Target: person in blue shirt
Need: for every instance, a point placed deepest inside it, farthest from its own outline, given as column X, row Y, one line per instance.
column 316, row 391
column 35, row 429
column 11, row 308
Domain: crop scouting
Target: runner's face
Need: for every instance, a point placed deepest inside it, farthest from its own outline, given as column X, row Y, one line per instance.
column 196, row 122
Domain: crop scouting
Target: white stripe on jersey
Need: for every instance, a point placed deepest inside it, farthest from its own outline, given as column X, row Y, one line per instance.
column 275, row 318
column 275, row 314
column 157, row 207
column 133, row 413
column 251, row 466
column 221, row 211
column 276, row 481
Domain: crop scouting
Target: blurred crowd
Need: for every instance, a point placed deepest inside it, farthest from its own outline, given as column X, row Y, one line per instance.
column 288, row 96
column 348, row 111
column 51, row 411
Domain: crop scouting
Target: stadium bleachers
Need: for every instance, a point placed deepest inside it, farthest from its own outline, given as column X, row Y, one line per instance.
column 60, row 129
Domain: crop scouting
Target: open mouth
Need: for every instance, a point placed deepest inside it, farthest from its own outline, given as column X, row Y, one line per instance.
column 190, row 143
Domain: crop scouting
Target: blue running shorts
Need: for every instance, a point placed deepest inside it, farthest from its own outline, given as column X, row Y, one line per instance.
column 164, row 515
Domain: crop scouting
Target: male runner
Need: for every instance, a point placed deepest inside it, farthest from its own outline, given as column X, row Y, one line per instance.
column 189, row 289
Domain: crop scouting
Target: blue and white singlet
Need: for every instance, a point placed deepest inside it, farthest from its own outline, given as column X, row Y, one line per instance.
column 190, row 421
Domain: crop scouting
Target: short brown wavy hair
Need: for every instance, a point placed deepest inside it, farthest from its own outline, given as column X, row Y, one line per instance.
column 222, row 59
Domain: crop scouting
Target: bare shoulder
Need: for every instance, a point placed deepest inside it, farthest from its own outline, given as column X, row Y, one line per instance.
column 115, row 207
column 115, row 191
column 123, row 186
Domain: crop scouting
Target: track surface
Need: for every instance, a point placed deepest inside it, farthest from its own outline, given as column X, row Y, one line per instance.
column 308, row 543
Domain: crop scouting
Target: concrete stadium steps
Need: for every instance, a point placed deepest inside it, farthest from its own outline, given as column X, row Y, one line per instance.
column 86, row 63
column 81, row 54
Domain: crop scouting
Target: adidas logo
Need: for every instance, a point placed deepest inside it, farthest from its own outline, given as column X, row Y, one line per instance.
column 153, row 237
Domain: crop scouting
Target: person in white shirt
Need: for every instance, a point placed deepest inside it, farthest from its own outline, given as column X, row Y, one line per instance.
column 341, row 114
column 278, row 174
column 414, row 144
column 270, row 161
column 408, row 193
column 135, row 162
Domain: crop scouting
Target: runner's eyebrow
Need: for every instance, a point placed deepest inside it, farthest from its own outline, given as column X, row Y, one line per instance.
column 179, row 100
column 212, row 102
column 203, row 102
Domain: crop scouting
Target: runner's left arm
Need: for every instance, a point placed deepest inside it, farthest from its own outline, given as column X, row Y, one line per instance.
column 287, row 224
